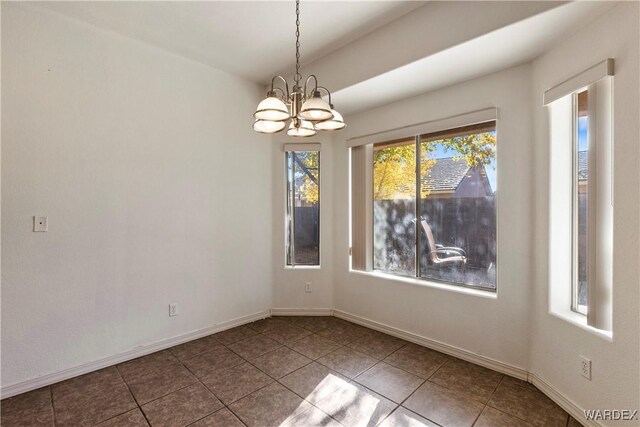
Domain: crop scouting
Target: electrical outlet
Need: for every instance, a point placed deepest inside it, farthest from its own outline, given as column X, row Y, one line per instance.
column 307, row 287
column 173, row 309
column 40, row 223
column 585, row 367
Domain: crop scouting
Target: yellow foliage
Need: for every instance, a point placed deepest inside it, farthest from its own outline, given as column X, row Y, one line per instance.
column 307, row 165
column 394, row 167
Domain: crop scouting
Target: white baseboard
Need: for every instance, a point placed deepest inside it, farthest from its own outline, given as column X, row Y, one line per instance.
column 48, row 379
column 302, row 312
column 565, row 403
column 436, row 345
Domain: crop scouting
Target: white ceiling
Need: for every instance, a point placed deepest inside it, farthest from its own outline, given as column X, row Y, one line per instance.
column 252, row 39
column 256, row 39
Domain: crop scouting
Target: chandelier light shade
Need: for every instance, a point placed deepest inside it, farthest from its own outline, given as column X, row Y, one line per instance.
column 268, row 126
column 335, row 123
column 305, row 110
column 302, row 128
column 315, row 108
column 272, row 108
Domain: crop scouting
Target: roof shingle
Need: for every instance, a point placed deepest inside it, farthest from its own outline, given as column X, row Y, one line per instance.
column 446, row 174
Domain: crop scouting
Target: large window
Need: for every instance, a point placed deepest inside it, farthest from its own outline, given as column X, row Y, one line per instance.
column 303, row 208
column 434, row 208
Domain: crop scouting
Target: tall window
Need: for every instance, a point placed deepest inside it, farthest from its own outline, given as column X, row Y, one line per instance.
column 303, row 207
column 580, row 287
column 434, row 210
column 580, row 238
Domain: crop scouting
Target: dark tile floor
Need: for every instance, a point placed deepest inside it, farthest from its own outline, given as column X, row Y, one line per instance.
column 289, row 371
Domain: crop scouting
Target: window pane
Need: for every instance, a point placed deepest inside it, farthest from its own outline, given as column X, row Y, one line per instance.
column 394, row 194
column 581, row 179
column 303, row 208
column 458, row 208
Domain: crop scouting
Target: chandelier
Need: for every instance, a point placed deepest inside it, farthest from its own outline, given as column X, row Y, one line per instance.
column 307, row 111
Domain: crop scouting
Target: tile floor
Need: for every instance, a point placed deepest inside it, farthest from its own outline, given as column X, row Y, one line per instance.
column 289, row 371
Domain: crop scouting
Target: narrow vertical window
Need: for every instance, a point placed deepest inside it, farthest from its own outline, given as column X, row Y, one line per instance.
column 581, row 156
column 303, row 208
column 581, row 197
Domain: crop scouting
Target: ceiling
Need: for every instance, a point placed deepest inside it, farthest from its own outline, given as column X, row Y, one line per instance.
column 256, row 39
column 251, row 39
column 505, row 47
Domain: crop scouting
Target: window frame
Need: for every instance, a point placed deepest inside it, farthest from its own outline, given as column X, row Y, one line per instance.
column 467, row 129
column 289, row 207
column 575, row 205
column 561, row 100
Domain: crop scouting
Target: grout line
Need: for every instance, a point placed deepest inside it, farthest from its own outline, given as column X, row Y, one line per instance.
column 505, row 412
column 316, row 360
column 53, row 409
column 488, row 400
column 214, row 412
column 132, row 396
column 198, row 381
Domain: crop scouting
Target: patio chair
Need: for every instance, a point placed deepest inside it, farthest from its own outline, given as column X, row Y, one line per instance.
column 443, row 255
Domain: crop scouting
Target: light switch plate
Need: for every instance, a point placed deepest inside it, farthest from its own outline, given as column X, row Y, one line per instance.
column 40, row 223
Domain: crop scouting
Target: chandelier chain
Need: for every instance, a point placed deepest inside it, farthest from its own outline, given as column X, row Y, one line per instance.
column 298, row 76
column 305, row 112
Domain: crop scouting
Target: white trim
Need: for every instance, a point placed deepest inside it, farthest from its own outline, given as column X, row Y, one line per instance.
column 308, row 146
column 478, row 292
column 445, row 123
column 561, row 400
column 48, row 379
column 579, row 81
column 580, row 320
column 302, row 312
column 565, row 403
column 436, row 345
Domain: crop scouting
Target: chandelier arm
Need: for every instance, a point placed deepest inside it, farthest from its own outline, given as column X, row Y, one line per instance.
column 284, row 95
column 286, row 85
column 328, row 93
column 302, row 123
column 307, row 81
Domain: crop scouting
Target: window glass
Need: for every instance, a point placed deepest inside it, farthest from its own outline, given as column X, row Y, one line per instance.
column 458, row 208
column 581, row 180
column 453, row 221
column 303, row 208
column 394, row 204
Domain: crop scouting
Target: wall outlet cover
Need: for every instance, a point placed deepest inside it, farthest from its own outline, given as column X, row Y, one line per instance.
column 40, row 223
column 173, row 309
column 585, row 367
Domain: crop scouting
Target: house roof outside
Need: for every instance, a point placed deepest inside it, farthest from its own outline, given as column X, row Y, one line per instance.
column 445, row 175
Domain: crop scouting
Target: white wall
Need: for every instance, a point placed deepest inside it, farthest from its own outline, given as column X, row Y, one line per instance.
column 140, row 180
column 557, row 344
column 156, row 189
column 289, row 283
column 497, row 328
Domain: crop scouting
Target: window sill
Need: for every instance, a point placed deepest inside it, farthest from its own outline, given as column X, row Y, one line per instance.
column 429, row 284
column 302, row 267
column 580, row 320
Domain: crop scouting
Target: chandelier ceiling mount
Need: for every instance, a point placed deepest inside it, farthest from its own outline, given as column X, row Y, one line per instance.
column 306, row 110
